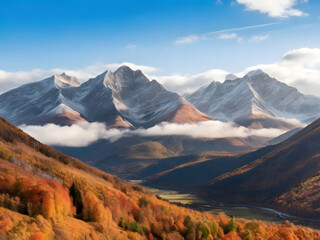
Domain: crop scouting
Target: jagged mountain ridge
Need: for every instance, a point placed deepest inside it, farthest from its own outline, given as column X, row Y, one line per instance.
column 123, row 98
column 256, row 100
column 40, row 101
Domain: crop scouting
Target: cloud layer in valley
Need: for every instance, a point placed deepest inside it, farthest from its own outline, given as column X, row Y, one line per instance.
column 83, row 134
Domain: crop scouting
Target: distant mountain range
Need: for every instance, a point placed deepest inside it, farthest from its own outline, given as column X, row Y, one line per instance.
column 256, row 100
column 128, row 99
column 125, row 98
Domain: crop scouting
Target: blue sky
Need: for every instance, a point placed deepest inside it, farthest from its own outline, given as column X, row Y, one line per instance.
column 72, row 34
column 170, row 35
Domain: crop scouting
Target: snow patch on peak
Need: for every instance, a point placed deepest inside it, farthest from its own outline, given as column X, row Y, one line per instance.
column 125, row 79
column 65, row 81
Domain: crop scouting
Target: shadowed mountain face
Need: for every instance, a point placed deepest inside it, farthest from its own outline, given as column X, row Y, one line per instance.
column 124, row 98
column 287, row 176
column 256, row 100
column 129, row 156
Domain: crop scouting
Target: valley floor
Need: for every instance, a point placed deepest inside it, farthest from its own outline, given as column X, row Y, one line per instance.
column 193, row 201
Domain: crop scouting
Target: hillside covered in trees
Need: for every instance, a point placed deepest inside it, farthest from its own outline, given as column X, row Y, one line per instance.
column 45, row 194
column 286, row 177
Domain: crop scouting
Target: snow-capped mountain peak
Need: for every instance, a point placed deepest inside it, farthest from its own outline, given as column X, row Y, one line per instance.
column 256, row 100
column 124, row 98
column 65, row 81
column 254, row 73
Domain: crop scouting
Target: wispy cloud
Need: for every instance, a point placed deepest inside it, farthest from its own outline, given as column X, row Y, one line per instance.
column 196, row 37
column 274, row 8
column 259, row 38
column 187, row 40
column 227, row 36
column 243, row 28
column 186, row 83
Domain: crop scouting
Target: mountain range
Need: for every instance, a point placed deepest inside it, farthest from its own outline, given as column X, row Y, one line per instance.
column 125, row 99
column 256, row 100
column 38, row 180
column 128, row 99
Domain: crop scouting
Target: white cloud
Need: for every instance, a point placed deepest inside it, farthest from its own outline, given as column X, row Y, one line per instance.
column 195, row 37
column 259, row 38
column 83, row 134
column 227, row 36
column 299, row 68
column 9, row 80
column 131, row 46
column 207, row 129
column 303, row 57
column 274, row 8
column 143, row 68
column 189, row 83
column 187, row 40
column 76, row 135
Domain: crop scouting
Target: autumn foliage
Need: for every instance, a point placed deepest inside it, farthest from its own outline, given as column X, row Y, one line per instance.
column 47, row 195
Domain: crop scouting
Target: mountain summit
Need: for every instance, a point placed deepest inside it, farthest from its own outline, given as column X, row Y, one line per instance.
column 256, row 100
column 124, row 98
column 65, row 81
